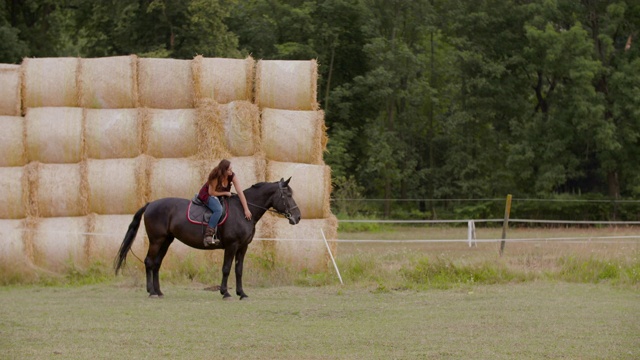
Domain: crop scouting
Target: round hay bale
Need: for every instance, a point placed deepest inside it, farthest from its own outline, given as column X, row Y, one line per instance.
column 54, row 134
column 12, row 141
column 171, row 133
column 12, row 251
column 286, row 84
column 108, row 83
column 113, row 186
column 58, row 190
column 112, row 133
column 13, row 192
column 10, row 90
column 302, row 246
column 223, row 80
column 49, row 82
column 249, row 169
column 311, row 186
column 165, row 83
column 241, row 121
column 180, row 178
column 211, row 140
column 60, row 241
column 294, row 135
column 106, row 233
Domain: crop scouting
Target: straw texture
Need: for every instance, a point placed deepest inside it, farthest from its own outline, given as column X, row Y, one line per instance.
column 181, row 178
column 12, row 250
column 112, row 133
column 241, row 121
column 171, row 133
column 285, row 84
column 294, row 136
column 13, row 192
column 10, row 90
column 112, row 186
column 57, row 190
column 59, row 242
column 54, row 134
column 12, row 141
column 108, row 83
column 50, row 82
column 223, row 80
column 165, row 83
column 311, row 185
column 302, row 246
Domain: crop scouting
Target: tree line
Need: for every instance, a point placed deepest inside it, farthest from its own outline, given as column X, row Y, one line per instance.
column 425, row 99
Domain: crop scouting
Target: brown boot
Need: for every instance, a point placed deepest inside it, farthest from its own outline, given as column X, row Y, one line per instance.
column 209, row 239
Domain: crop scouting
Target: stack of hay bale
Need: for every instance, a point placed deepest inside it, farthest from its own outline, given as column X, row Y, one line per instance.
column 101, row 137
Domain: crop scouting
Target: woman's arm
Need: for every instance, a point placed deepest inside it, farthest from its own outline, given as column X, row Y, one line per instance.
column 243, row 200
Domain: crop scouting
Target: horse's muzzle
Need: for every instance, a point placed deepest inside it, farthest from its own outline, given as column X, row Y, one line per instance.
column 293, row 219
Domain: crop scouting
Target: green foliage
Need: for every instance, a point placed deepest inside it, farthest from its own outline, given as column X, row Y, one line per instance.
column 422, row 99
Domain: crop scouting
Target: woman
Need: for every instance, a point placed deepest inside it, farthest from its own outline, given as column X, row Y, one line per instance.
column 219, row 185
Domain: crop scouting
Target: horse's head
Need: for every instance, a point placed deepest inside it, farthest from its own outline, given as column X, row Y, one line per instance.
column 285, row 204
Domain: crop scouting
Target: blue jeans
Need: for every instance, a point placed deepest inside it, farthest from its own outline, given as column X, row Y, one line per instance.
column 216, row 207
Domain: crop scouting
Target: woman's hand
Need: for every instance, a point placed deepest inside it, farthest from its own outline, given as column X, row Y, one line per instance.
column 228, row 194
column 247, row 214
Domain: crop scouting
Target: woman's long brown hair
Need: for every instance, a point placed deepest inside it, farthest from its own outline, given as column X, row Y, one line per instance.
column 219, row 172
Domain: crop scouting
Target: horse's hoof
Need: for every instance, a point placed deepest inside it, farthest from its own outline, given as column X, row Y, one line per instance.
column 154, row 296
column 245, row 298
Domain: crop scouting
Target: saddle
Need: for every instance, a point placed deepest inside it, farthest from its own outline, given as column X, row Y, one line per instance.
column 198, row 213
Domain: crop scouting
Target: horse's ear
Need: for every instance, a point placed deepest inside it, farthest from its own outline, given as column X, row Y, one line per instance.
column 287, row 182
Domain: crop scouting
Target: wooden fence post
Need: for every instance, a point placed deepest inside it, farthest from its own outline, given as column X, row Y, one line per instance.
column 505, row 224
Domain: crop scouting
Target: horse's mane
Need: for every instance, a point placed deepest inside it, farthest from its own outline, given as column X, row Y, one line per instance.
column 264, row 183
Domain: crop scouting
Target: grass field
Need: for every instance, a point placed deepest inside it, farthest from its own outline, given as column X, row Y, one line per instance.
column 517, row 321
column 404, row 300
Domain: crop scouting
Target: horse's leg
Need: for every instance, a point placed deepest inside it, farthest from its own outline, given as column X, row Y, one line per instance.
column 239, row 265
column 149, row 262
column 229, row 253
column 158, row 261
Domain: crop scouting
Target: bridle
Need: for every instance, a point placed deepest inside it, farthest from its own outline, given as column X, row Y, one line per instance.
column 287, row 210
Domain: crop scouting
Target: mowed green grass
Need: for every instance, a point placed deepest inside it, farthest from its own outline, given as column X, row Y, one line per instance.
column 555, row 306
column 510, row 321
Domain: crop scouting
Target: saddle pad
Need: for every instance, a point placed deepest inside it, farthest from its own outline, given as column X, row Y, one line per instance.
column 198, row 213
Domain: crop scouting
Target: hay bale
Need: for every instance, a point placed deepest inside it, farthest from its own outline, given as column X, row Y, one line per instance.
column 54, row 134
column 165, row 83
column 10, row 90
column 108, row 83
column 180, row 178
column 302, row 246
column 12, row 141
column 249, row 169
column 112, row 133
column 57, row 190
column 285, row 84
column 60, row 241
column 223, row 80
column 12, row 251
column 293, row 135
column 106, row 233
column 13, row 192
column 211, row 141
column 114, row 186
column 311, row 186
column 241, row 121
column 171, row 133
column 49, row 82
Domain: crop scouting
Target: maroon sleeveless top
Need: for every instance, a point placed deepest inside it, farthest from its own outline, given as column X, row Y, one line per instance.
column 203, row 194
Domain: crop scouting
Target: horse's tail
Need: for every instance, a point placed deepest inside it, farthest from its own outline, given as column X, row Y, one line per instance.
column 121, row 258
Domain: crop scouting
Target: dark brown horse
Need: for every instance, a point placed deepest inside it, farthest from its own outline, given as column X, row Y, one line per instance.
column 166, row 219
